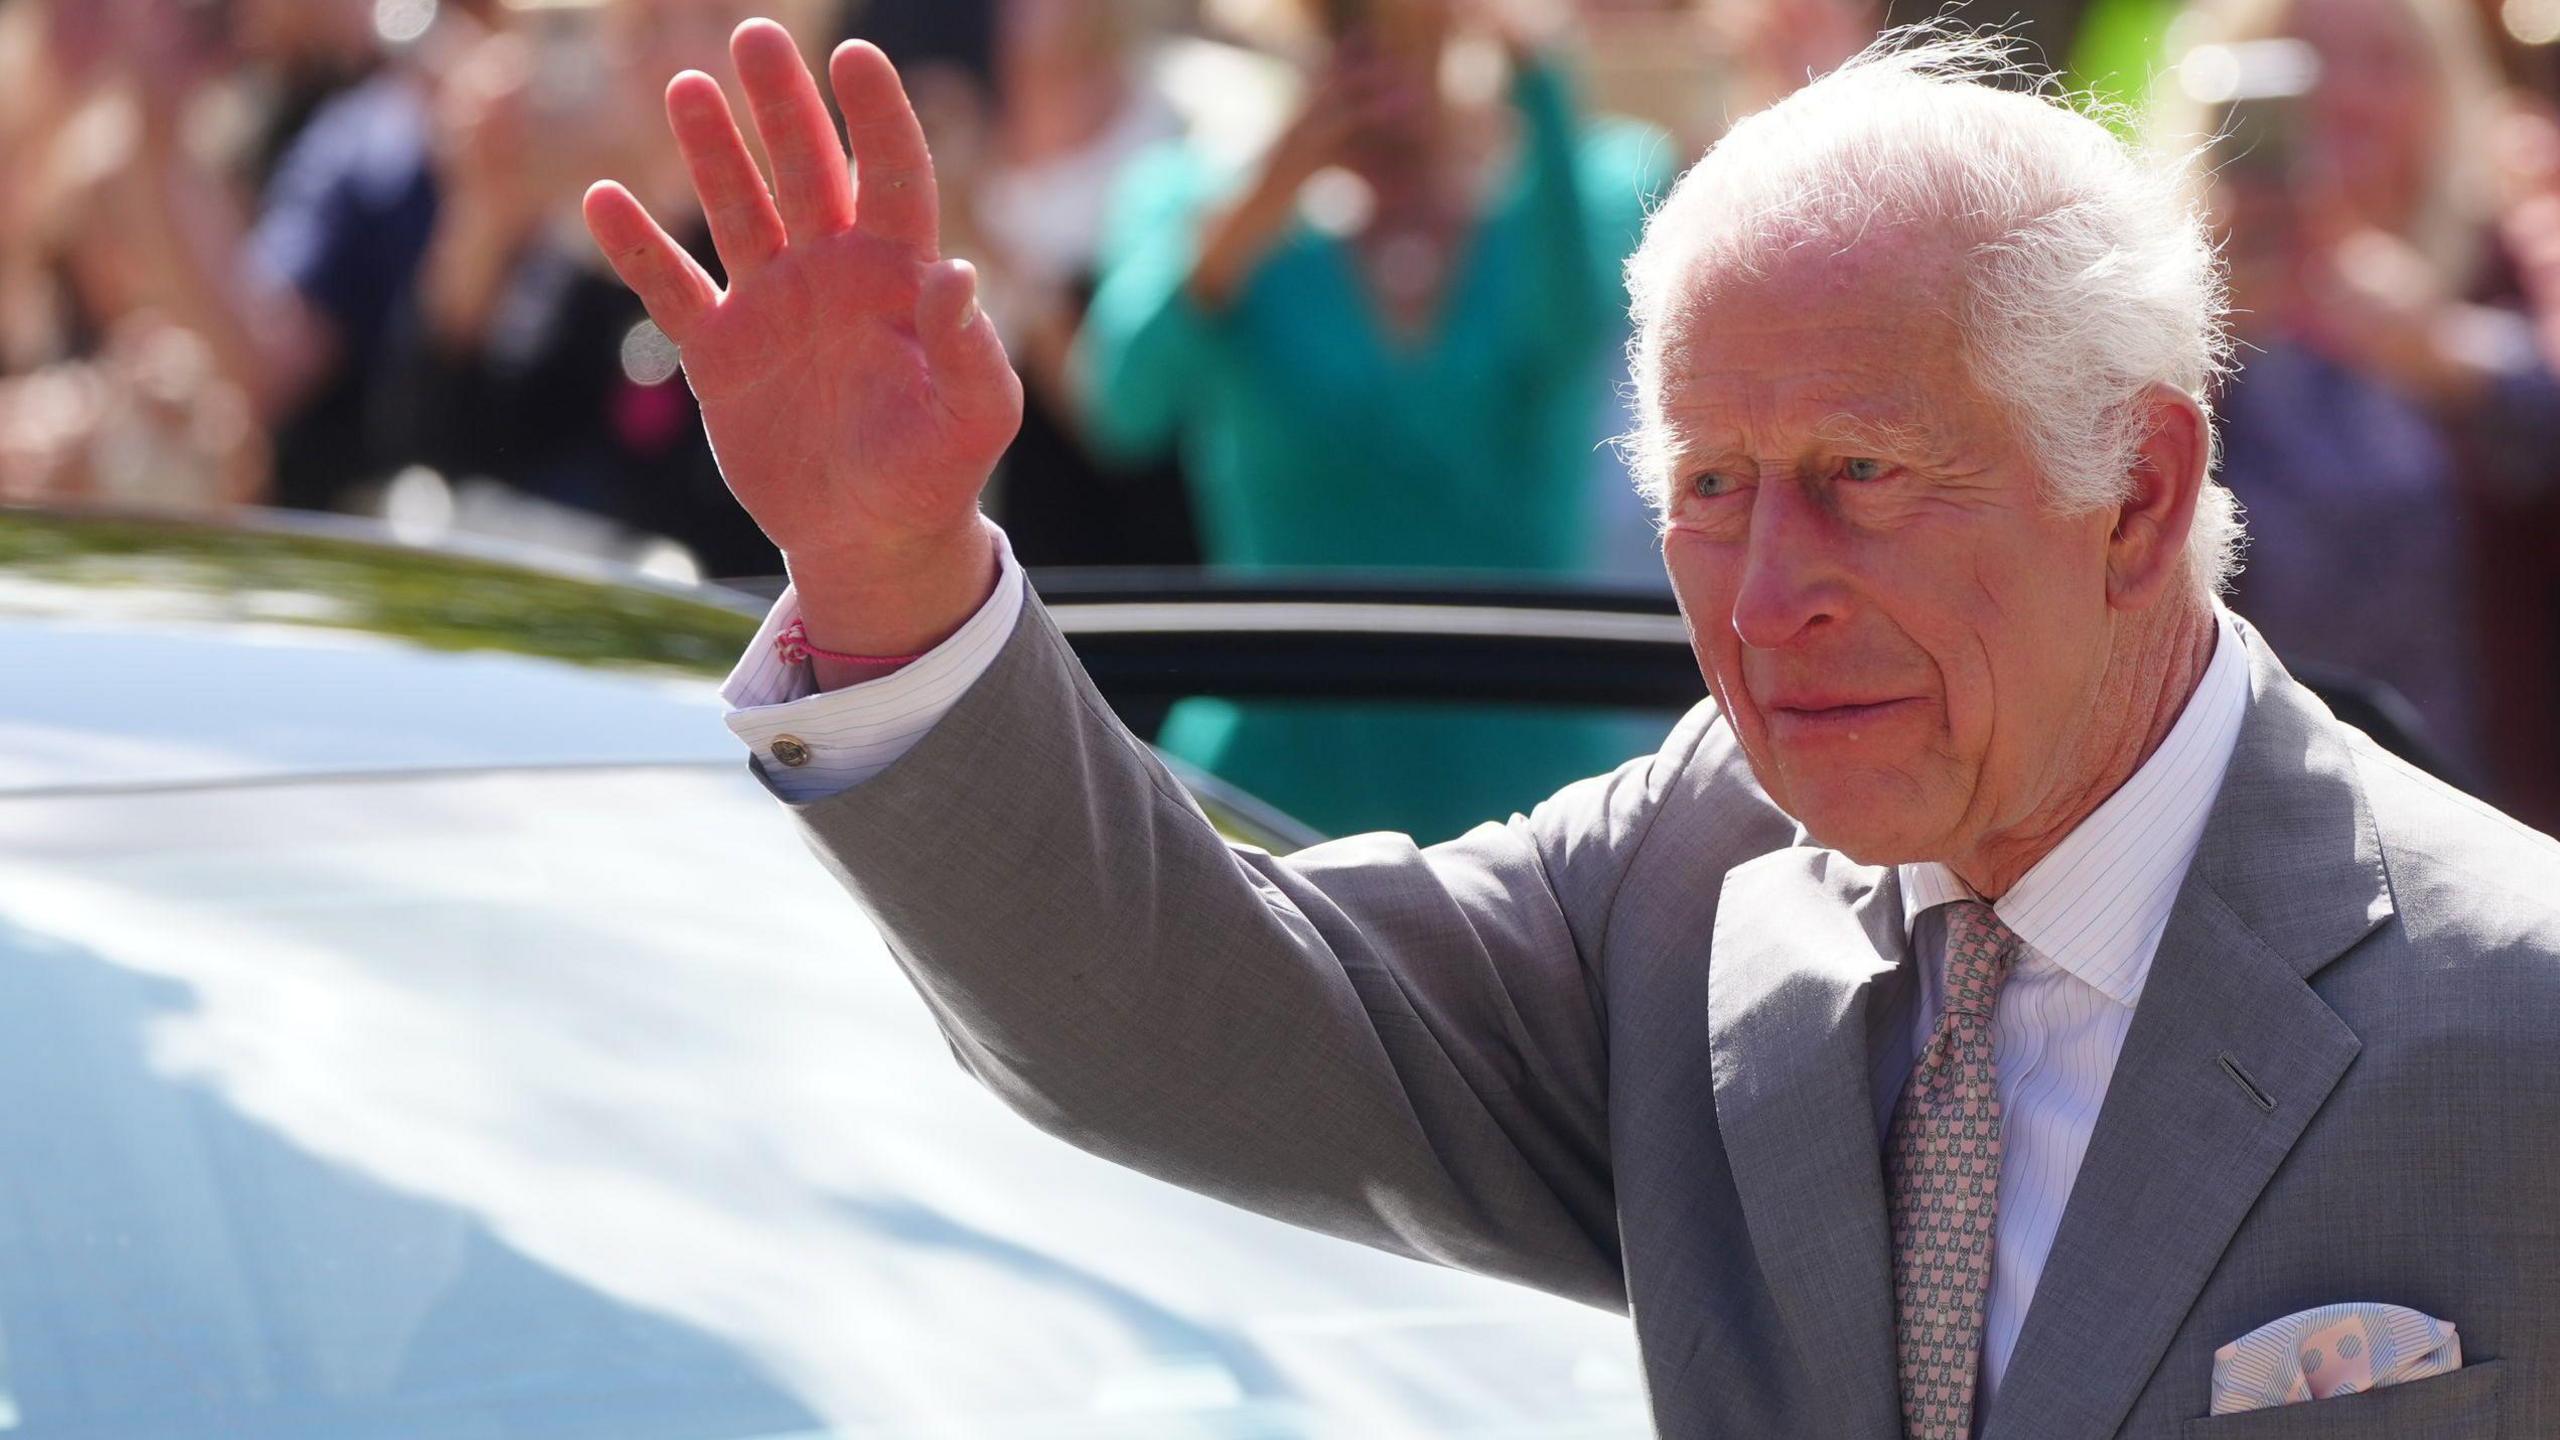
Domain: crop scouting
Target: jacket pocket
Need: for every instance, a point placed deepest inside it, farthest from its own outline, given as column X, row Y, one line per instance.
column 2460, row 1406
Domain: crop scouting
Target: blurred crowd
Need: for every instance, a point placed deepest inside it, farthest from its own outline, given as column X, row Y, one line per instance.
column 1291, row 282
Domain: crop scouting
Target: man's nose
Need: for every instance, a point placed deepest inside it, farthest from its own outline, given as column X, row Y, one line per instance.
column 1791, row 576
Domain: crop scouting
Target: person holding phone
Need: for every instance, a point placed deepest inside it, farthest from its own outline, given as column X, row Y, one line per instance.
column 2393, row 402
column 1381, row 344
column 521, row 360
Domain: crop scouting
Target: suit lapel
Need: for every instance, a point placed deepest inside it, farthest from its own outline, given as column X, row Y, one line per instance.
column 1800, row 935
column 2287, row 877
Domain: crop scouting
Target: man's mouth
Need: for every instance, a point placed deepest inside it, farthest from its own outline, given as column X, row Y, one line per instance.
column 1826, row 719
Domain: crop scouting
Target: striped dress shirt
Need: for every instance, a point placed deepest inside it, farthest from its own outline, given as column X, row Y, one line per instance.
column 2091, row 913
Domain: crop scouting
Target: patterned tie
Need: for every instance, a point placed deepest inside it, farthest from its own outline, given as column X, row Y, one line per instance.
column 1942, row 1171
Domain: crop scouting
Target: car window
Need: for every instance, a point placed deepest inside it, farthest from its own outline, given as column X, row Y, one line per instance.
column 1430, row 769
column 586, row 1104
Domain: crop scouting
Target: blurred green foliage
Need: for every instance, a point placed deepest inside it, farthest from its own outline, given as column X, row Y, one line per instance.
column 144, row 569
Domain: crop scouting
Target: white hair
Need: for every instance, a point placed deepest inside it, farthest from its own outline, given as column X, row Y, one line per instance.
column 2091, row 275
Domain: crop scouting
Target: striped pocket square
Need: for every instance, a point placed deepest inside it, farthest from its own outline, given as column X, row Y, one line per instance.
column 2334, row 1350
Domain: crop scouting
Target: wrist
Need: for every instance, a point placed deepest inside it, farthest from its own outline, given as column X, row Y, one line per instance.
column 892, row 600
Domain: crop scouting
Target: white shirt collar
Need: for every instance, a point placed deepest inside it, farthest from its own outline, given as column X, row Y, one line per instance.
column 2095, row 903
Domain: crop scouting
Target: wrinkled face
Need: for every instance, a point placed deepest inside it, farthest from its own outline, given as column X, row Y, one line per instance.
column 1909, row 641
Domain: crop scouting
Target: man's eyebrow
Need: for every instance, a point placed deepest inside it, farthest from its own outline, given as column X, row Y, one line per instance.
column 1882, row 437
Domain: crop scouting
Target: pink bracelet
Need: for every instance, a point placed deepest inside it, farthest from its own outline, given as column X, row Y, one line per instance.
column 794, row 647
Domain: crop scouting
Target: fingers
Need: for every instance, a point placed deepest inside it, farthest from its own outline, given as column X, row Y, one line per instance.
column 745, row 227
column 811, row 182
column 971, row 375
column 898, row 201
column 672, row 287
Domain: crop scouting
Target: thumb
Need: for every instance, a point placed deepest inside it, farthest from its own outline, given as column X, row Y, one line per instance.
column 970, row 374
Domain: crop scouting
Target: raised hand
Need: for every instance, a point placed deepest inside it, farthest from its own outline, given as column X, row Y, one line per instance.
column 1356, row 94
column 854, row 393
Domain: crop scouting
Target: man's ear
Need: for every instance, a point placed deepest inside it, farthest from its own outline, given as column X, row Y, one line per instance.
column 2147, row 553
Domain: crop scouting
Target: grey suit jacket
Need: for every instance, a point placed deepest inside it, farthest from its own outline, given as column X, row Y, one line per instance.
column 1616, row 1050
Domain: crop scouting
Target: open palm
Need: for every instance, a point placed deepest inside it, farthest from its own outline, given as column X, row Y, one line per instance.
column 856, row 397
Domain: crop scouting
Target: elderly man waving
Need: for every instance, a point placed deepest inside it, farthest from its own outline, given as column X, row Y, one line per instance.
column 2012, row 1006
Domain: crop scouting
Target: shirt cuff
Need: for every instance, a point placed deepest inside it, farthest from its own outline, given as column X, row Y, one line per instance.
column 810, row 745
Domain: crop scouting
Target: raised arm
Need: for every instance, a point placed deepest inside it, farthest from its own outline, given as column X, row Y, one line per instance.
column 1400, row 1047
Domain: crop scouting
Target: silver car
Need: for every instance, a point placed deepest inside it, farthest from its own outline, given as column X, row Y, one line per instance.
column 417, row 1023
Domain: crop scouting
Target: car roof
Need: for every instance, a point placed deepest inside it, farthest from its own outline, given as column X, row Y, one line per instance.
column 149, row 652
column 146, row 652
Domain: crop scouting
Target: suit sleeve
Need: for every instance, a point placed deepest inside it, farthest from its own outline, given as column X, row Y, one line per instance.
column 1399, row 1046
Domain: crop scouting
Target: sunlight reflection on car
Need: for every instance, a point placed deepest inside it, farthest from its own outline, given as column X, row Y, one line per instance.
column 622, row 1023
column 419, row 1024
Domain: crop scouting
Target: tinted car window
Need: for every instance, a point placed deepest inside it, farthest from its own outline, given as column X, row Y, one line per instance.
column 1428, row 768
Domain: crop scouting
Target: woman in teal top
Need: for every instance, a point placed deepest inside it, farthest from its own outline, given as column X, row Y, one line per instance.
column 1419, row 389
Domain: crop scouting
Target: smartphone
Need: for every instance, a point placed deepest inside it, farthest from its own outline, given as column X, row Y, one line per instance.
column 2256, row 90
column 2260, row 139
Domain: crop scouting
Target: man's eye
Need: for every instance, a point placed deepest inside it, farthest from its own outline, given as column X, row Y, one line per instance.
column 1711, row 483
column 1861, row 469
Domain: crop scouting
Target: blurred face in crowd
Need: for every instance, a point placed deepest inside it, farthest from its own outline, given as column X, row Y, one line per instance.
column 2257, row 224
column 2374, row 116
column 661, row 37
column 1777, row 44
column 1033, row 31
column 646, row 42
column 88, row 40
column 266, row 27
column 1408, row 38
column 283, row 29
column 82, row 35
column 1909, row 641
column 1410, row 33
column 642, row 44
column 2293, row 177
